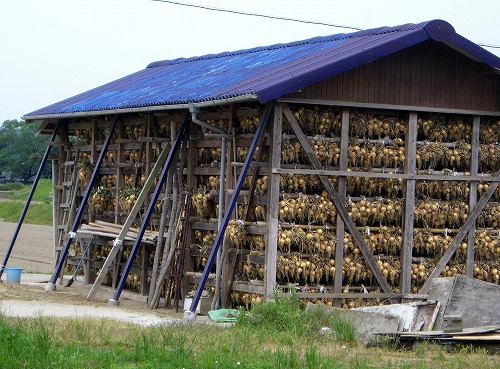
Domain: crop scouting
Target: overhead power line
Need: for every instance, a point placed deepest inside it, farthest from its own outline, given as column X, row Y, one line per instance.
column 241, row 12
column 492, row 46
column 258, row 15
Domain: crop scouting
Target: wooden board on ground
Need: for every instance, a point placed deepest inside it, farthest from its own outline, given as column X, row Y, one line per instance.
column 475, row 301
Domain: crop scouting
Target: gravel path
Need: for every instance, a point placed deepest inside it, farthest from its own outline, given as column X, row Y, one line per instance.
column 28, row 309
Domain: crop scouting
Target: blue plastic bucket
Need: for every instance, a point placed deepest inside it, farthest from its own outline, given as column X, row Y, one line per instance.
column 14, row 275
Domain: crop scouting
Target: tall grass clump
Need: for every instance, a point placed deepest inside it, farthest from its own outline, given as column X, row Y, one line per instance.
column 286, row 315
column 25, row 344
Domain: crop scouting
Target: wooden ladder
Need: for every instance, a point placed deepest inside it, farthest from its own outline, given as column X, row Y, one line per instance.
column 68, row 199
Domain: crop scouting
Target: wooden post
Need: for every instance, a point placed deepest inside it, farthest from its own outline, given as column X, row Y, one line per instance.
column 56, row 184
column 339, row 247
column 409, row 214
column 192, row 183
column 273, row 193
column 351, row 226
column 120, row 180
column 229, row 261
column 474, row 167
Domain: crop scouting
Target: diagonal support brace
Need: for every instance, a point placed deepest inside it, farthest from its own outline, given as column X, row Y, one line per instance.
column 464, row 229
column 370, row 260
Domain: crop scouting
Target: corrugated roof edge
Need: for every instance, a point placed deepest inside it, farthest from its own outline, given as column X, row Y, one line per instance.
column 313, row 40
column 141, row 109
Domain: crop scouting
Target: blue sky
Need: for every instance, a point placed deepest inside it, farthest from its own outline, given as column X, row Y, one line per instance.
column 53, row 49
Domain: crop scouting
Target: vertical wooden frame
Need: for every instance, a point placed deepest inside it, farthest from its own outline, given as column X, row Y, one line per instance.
column 192, row 183
column 273, row 204
column 56, row 184
column 409, row 207
column 339, row 247
column 120, row 158
column 229, row 259
column 474, row 167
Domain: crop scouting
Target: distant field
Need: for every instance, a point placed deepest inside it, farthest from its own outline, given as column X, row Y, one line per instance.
column 14, row 196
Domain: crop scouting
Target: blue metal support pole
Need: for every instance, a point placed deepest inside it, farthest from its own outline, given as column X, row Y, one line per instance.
column 229, row 210
column 28, row 200
column 149, row 211
column 76, row 222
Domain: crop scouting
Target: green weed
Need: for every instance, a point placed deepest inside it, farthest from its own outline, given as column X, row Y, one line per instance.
column 41, row 214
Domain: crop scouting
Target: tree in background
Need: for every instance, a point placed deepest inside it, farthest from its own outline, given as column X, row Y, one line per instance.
column 21, row 150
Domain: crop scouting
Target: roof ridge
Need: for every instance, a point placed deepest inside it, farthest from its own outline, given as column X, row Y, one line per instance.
column 310, row 41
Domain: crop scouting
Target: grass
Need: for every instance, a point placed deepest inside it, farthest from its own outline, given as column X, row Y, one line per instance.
column 43, row 192
column 40, row 209
column 257, row 340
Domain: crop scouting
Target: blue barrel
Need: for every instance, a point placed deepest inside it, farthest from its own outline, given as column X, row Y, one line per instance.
column 14, row 275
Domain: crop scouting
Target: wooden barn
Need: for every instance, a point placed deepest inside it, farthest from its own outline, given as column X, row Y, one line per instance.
column 353, row 168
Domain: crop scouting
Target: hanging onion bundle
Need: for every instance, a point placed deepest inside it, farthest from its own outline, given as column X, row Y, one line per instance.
column 84, row 135
column 427, row 243
column 490, row 131
column 108, row 180
column 489, row 158
column 443, row 190
column 307, row 209
column 133, row 132
column 127, row 198
column 202, row 203
column 236, row 233
column 100, row 200
column 489, row 217
column 85, row 168
column 364, row 125
column 487, row 245
column 381, row 211
column 320, row 120
column 249, row 124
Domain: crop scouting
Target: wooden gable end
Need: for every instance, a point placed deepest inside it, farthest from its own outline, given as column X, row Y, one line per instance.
column 430, row 75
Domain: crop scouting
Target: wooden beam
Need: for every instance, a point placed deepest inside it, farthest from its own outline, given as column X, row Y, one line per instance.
column 339, row 247
column 273, row 205
column 350, row 295
column 409, row 214
column 389, row 175
column 464, row 229
column 370, row 260
column 425, row 109
column 474, row 167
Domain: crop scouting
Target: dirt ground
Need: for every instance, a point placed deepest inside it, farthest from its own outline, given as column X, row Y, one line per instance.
column 33, row 251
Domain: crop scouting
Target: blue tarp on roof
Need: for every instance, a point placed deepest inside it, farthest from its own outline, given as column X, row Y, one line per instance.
column 264, row 73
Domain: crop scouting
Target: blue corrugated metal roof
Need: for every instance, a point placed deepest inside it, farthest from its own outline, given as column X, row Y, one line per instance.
column 265, row 73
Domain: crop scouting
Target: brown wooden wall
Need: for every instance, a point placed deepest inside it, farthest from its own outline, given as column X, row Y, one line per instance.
column 426, row 75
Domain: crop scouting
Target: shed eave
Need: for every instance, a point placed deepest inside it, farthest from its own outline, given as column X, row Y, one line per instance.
column 142, row 109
